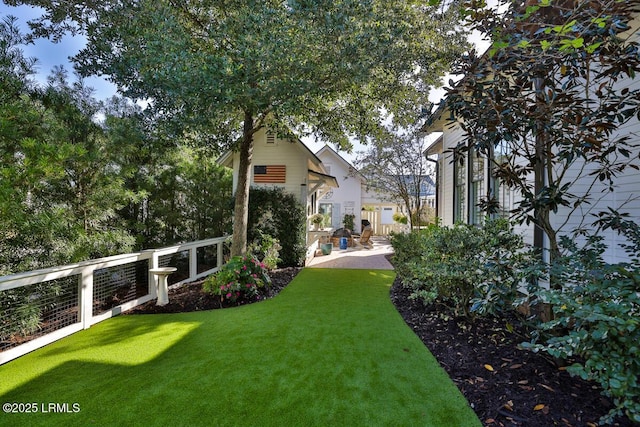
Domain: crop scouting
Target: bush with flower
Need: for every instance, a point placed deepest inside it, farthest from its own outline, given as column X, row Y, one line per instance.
column 239, row 279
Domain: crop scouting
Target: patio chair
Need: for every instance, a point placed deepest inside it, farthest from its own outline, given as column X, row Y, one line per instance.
column 365, row 238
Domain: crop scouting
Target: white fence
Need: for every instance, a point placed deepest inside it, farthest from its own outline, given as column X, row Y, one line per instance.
column 42, row 306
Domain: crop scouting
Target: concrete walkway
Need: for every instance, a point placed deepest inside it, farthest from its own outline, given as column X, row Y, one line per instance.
column 358, row 257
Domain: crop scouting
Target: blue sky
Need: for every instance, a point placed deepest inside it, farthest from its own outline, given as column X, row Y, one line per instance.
column 51, row 54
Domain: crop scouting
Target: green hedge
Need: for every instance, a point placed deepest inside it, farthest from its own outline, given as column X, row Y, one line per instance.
column 278, row 214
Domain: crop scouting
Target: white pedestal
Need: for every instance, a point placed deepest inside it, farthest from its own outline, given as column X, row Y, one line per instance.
column 161, row 274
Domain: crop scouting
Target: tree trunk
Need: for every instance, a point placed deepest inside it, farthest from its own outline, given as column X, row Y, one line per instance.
column 540, row 160
column 241, row 207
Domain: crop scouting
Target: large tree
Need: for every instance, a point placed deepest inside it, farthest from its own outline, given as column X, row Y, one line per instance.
column 225, row 69
column 396, row 168
column 545, row 103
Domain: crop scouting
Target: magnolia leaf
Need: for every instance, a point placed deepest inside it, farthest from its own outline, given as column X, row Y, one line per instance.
column 538, row 407
column 488, row 367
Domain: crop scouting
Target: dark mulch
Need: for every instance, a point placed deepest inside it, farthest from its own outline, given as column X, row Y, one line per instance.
column 505, row 385
column 189, row 297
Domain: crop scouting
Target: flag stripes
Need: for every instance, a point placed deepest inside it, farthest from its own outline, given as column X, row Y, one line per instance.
column 270, row 174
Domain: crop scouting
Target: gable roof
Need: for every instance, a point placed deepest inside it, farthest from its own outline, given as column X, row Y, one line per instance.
column 330, row 151
column 316, row 170
column 427, row 186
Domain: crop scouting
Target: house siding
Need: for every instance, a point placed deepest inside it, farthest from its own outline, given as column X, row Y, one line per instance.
column 352, row 196
column 450, row 138
column 281, row 152
column 625, row 196
column 289, row 160
column 347, row 198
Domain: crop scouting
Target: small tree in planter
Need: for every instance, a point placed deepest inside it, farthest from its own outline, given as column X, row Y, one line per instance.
column 348, row 221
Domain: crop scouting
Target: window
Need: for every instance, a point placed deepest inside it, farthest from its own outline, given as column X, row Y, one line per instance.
column 387, row 216
column 314, row 198
column 326, row 209
column 459, row 196
column 476, row 186
column 501, row 193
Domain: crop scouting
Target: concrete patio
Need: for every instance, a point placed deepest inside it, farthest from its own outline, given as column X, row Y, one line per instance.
column 357, row 257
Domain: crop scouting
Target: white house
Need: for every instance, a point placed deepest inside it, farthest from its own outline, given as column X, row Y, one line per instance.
column 285, row 163
column 325, row 183
column 461, row 184
column 353, row 197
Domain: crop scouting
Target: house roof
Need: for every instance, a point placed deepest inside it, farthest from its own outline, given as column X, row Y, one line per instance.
column 435, row 147
column 427, row 186
column 327, row 149
column 328, row 180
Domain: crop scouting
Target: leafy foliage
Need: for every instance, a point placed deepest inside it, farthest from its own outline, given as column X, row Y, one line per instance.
column 549, row 95
column 226, row 70
column 240, row 278
column 397, row 170
column 597, row 318
column 59, row 190
column 472, row 270
column 348, row 221
column 265, row 249
column 318, row 218
column 400, row 218
column 73, row 187
column 278, row 214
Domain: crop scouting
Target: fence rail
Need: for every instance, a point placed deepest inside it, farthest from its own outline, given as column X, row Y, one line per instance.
column 41, row 306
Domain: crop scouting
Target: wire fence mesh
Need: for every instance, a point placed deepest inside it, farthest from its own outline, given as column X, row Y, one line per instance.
column 33, row 311
column 116, row 285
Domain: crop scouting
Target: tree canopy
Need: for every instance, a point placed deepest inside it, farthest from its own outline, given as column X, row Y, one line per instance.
column 396, row 168
column 551, row 95
column 224, row 69
column 81, row 178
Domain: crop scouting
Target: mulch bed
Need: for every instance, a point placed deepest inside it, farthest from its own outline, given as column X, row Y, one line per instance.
column 190, row 297
column 505, row 385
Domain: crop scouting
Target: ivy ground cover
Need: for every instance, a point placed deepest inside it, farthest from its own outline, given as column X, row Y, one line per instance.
column 329, row 350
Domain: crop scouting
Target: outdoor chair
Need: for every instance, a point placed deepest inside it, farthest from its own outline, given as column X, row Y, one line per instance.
column 365, row 238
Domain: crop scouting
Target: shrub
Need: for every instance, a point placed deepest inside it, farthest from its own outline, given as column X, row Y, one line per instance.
column 400, row 218
column 597, row 318
column 265, row 249
column 348, row 221
column 239, row 279
column 408, row 248
column 473, row 270
column 276, row 213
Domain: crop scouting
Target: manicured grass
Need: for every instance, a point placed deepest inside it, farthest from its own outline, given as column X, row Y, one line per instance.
column 330, row 350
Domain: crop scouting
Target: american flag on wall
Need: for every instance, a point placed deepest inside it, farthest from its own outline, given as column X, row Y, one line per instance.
column 270, row 174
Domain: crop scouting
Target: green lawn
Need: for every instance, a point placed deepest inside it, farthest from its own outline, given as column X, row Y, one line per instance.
column 330, row 350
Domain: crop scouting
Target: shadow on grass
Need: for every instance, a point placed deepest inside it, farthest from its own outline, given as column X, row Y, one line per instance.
column 330, row 350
